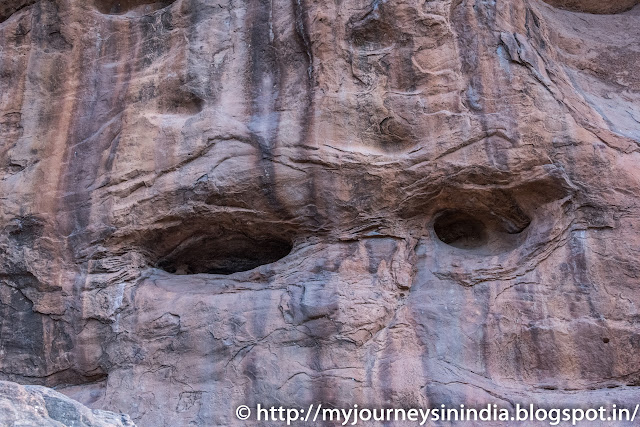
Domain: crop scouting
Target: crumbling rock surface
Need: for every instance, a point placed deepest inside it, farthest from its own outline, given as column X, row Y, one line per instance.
column 37, row 406
column 210, row 203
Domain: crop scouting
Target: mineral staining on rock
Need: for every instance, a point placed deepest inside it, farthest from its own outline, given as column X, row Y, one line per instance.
column 213, row 203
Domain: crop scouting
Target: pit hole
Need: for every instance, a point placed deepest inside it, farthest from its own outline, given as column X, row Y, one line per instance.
column 181, row 103
column 605, row 340
column 460, row 230
column 120, row 7
column 223, row 255
column 373, row 35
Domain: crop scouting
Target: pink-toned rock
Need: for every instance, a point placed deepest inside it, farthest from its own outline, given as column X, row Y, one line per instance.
column 205, row 204
column 39, row 406
column 594, row 6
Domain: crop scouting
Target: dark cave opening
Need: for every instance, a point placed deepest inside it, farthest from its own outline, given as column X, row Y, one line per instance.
column 460, row 230
column 223, row 255
column 119, row 7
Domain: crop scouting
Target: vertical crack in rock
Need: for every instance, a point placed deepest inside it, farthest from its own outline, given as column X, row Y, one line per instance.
column 303, row 34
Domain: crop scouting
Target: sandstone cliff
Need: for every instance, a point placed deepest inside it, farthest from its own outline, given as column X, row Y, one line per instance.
column 37, row 406
column 208, row 203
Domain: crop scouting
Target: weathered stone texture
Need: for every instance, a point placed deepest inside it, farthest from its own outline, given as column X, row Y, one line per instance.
column 594, row 6
column 207, row 203
column 37, row 406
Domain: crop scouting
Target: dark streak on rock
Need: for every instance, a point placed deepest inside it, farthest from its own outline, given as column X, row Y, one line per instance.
column 263, row 89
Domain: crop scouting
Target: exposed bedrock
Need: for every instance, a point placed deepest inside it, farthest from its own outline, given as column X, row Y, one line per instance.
column 392, row 203
column 594, row 6
column 34, row 405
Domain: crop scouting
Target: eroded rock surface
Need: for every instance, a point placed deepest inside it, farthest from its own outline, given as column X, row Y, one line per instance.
column 386, row 203
column 37, row 406
column 594, row 6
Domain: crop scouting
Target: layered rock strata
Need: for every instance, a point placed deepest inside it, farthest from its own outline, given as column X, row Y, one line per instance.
column 208, row 203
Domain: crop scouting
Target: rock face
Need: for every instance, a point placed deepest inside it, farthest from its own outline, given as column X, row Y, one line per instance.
column 594, row 6
column 39, row 406
column 211, row 203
